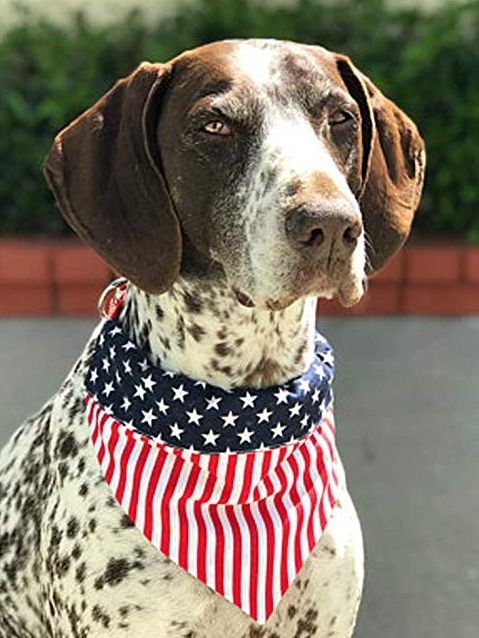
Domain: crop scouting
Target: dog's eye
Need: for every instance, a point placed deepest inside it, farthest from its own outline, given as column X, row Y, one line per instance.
column 217, row 128
column 340, row 117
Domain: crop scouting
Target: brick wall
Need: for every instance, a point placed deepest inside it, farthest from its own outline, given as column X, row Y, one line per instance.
column 63, row 277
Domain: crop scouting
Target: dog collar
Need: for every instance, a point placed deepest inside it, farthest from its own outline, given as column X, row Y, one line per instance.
column 235, row 486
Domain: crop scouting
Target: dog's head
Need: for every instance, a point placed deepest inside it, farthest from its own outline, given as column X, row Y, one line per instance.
column 279, row 164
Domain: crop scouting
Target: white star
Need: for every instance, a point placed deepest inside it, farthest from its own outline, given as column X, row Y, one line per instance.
column 112, row 352
column 127, row 366
column 116, row 330
column 304, row 420
column 109, row 409
column 106, row 365
column 210, row 437
column 93, row 375
column 140, row 392
column 176, row 430
column 245, row 435
column 291, row 440
column 263, row 416
column 316, row 395
column 162, row 406
column 169, row 373
column 212, row 403
column 126, row 403
column 108, row 388
column 201, row 383
column 327, row 358
column 319, row 371
column 101, row 340
column 194, row 417
column 149, row 383
column 322, row 405
column 179, row 394
column 304, row 384
column 248, row 400
column 143, row 365
column 229, row 419
column 295, row 409
column 148, row 417
column 281, row 396
column 128, row 346
column 117, row 377
column 278, row 430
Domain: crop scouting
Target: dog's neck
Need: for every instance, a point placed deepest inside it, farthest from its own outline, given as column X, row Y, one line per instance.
column 202, row 331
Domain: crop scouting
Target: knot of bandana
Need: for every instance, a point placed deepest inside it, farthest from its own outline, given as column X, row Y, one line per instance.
column 174, row 409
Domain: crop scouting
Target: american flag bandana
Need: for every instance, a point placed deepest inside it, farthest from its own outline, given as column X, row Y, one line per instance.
column 234, row 486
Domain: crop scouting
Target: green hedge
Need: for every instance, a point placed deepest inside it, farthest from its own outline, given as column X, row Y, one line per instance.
column 427, row 64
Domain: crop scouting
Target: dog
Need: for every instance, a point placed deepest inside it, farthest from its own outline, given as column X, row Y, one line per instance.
column 231, row 187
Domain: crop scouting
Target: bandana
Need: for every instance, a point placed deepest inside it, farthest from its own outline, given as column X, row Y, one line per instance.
column 234, row 486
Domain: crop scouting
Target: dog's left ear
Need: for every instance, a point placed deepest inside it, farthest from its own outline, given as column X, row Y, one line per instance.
column 393, row 164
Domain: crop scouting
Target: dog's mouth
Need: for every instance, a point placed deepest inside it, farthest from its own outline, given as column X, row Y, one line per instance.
column 348, row 293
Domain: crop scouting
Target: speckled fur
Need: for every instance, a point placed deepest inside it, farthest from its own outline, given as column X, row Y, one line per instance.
column 71, row 563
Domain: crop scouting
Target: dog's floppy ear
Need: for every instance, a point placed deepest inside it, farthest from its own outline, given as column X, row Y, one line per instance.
column 393, row 166
column 107, row 179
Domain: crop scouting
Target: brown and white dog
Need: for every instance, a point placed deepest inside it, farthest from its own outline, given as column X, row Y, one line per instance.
column 231, row 186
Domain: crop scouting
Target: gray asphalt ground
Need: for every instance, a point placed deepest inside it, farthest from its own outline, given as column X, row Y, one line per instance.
column 407, row 405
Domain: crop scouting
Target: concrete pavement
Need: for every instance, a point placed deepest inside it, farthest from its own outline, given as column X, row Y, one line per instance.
column 407, row 405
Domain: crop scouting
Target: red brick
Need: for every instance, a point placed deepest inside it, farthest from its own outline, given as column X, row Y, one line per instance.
column 393, row 270
column 471, row 264
column 451, row 299
column 433, row 263
column 78, row 264
column 78, row 299
column 24, row 262
column 29, row 299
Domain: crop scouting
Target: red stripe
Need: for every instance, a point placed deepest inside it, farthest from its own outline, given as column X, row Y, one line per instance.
column 183, row 518
column 286, row 529
column 150, row 492
column 298, row 505
column 200, row 523
column 124, row 463
column 101, row 422
column 137, row 479
column 112, row 443
column 270, row 554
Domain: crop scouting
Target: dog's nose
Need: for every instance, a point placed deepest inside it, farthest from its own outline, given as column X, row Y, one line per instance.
column 311, row 226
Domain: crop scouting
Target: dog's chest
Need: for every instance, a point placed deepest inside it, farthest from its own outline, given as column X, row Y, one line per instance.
column 82, row 568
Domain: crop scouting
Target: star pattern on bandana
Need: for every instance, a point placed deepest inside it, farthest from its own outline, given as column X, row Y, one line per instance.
column 182, row 412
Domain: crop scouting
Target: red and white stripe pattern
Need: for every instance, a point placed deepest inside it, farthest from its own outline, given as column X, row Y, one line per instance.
column 242, row 523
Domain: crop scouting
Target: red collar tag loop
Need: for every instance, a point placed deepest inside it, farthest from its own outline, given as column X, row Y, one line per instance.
column 111, row 298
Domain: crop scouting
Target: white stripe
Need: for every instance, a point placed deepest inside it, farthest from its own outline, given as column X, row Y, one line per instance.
column 245, row 558
column 143, row 487
column 238, row 478
column 158, row 497
column 293, row 517
column 178, row 491
column 260, row 598
column 193, row 548
column 228, row 552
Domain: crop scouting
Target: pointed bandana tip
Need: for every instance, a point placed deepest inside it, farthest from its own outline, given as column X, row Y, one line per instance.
column 234, row 486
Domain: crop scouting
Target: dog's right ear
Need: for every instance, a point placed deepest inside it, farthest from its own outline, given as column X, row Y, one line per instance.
column 105, row 172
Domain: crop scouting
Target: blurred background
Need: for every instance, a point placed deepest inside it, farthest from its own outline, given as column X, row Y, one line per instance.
column 408, row 355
